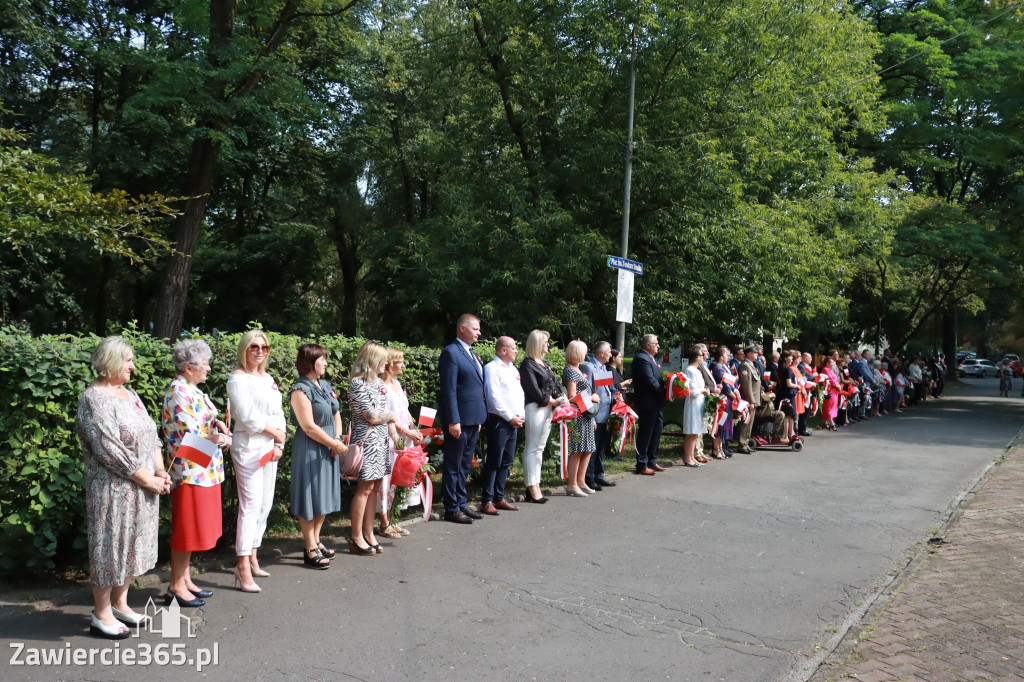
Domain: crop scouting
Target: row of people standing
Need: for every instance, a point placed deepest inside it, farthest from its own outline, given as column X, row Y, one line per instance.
column 504, row 398
column 777, row 395
column 125, row 470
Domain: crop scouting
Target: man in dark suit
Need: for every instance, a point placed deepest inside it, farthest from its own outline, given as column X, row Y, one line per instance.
column 649, row 391
column 463, row 412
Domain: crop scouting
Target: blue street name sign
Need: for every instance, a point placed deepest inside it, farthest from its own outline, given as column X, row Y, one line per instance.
column 626, row 264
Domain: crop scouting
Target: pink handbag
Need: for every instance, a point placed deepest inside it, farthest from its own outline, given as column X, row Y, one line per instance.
column 352, row 460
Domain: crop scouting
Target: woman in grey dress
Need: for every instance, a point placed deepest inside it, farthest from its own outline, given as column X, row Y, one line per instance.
column 367, row 399
column 124, row 477
column 316, row 469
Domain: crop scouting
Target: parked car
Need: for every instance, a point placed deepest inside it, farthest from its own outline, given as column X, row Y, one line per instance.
column 976, row 367
column 1015, row 365
column 964, row 354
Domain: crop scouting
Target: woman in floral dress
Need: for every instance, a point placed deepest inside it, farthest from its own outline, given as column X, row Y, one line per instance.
column 195, row 487
column 124, row 477
column 367, row 398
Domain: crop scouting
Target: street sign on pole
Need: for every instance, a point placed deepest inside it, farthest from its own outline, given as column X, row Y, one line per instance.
column 626, row 264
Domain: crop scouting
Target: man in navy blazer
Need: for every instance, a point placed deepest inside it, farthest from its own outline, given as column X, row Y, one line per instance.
column 595, row 470
column 463, row 412
column 649, row 391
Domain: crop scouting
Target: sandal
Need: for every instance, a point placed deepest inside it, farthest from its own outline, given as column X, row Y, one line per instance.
column 326, row 551
column 400, row 529
column 390, row 532
column 315, row 560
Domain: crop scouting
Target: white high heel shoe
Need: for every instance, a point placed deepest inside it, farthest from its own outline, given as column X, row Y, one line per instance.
column 252, row 589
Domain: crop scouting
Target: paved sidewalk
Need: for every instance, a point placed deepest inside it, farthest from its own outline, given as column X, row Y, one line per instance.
column 957, row 612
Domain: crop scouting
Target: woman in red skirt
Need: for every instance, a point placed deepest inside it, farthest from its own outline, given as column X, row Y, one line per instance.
column 195, row 475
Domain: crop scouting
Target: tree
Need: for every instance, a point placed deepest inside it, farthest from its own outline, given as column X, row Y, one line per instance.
column 496, row 133
column 236, row 66
column 42, row 209
column 952, row 77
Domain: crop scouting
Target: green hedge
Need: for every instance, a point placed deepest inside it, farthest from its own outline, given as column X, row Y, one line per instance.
column 41, row 503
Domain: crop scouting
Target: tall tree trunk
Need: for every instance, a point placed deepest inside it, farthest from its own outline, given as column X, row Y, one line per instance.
column 345, row 238
column 174, row 289
column 206, row 151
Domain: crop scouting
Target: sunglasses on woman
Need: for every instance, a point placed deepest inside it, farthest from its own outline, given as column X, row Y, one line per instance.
column 257, row 348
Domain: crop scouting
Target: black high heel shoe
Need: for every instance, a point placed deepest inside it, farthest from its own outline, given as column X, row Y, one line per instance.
column 202, row 594
column 192, row 603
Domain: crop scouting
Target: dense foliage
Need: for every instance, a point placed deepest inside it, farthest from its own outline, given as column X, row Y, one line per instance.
column 378, row 167
column 44, row 214
column 952, row 76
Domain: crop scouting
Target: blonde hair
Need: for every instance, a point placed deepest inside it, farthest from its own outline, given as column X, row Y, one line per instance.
column 535, row 344
column 394, row 355
column 575, row 352
column 110, row 356
column 370, row 357
column 243, row 345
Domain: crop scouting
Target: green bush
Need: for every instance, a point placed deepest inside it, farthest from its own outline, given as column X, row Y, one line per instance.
column 41, row 502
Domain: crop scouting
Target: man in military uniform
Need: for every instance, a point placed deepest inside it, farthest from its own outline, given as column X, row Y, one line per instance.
column 766, row 412
column 750, row 390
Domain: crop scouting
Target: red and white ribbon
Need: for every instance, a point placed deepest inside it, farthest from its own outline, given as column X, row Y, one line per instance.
column 629, row 419
column 628, row 433
column 427, row 495
column 671, row 390
column 562, row 415
column 721, row 414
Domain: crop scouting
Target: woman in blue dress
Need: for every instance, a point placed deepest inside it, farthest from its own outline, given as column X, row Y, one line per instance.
column 316, row 469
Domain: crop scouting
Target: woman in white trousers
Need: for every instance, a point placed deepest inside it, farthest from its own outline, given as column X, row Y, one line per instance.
column 543, row 393
column 257, row 445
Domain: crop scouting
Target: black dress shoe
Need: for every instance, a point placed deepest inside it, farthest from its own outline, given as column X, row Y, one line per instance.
column 457, row 517
column 471, row 514
column 203, row 594
column 193, row 603
column 595, row 486
column 603, row 482
column 536, row 500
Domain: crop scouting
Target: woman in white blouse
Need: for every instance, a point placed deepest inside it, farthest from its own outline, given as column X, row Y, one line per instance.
column 693, row 412
column 258, row 435
column 403, row 427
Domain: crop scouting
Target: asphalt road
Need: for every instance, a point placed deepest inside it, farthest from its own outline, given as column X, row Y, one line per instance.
column 739, row 570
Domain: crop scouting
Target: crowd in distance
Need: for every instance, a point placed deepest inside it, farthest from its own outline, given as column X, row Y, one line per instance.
column 127, row 469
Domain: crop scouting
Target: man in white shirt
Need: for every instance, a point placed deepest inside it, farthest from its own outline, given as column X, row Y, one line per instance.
column 506, row 414
column 916, row 376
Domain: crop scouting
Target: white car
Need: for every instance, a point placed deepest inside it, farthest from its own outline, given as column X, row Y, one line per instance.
column 976, row 367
